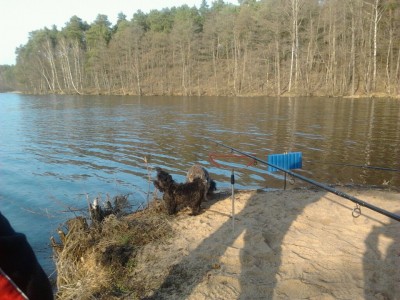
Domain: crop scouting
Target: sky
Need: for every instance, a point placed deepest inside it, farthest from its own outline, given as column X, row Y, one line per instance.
column 19, row 17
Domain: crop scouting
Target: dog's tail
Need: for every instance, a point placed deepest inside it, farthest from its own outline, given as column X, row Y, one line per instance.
column 213, row 186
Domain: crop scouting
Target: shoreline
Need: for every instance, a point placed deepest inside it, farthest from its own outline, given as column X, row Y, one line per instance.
column 299, row 243
column 303, row 244
column 285, row 95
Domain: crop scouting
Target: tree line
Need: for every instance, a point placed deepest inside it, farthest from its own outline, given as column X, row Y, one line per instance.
column 267, row 47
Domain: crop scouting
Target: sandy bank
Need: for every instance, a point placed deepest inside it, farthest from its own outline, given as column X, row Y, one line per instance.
column 297, row 244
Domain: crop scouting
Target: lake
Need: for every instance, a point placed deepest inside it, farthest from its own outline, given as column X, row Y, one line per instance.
column 58, row 150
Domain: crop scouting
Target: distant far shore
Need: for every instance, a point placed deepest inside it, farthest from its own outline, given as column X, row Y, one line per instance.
column 284, row 95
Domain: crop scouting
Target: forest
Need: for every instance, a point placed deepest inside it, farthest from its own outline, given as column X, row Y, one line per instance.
column 267, row 47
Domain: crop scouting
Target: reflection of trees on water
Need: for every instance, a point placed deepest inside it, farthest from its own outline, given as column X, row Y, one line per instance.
column 119, row 131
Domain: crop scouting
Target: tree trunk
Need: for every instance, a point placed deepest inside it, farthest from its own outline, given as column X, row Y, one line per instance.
column 278, row 67
column 377, row 18
column 353, row 50
column 295, row 4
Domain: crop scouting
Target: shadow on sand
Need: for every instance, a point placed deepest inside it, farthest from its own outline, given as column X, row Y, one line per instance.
column 381, row 280
column 248, row 281
column 325, row 254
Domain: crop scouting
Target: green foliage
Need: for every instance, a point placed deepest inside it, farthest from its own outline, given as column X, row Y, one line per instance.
column 99, row 33
column 204, row 8
column 140, row 19
column 75, row 30
column 161, row 21
column 189, row 18
column 7, row 78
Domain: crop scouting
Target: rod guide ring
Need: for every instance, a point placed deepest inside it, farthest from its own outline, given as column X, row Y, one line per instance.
column 356, row 211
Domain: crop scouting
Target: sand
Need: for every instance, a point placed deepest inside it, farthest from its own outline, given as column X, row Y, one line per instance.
column 296, row 244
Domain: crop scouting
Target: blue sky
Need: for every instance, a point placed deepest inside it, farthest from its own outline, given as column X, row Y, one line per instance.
column 19, row 17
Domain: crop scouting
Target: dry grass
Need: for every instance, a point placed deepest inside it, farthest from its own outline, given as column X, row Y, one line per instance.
column 95, row 262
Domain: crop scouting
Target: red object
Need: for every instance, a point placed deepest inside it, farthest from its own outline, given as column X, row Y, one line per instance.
column 8, row 289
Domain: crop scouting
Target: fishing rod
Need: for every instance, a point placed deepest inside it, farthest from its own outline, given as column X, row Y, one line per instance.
column 355, row 166
column 318, row 184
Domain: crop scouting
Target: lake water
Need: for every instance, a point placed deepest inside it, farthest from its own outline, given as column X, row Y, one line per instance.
column 57, row 150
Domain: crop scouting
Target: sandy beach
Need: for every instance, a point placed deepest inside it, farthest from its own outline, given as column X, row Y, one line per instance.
column 295, row 244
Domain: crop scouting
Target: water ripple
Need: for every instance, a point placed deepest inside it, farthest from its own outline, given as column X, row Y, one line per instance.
column 58, row 149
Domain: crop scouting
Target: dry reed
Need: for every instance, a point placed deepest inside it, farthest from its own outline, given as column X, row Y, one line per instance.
column 95, row 261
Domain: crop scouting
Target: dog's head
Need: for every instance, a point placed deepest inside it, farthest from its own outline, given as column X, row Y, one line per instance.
column 163, row 181
column 196, row 171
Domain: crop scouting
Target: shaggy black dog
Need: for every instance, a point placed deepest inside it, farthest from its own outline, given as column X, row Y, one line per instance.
column 180, row 194
column 197, row 171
